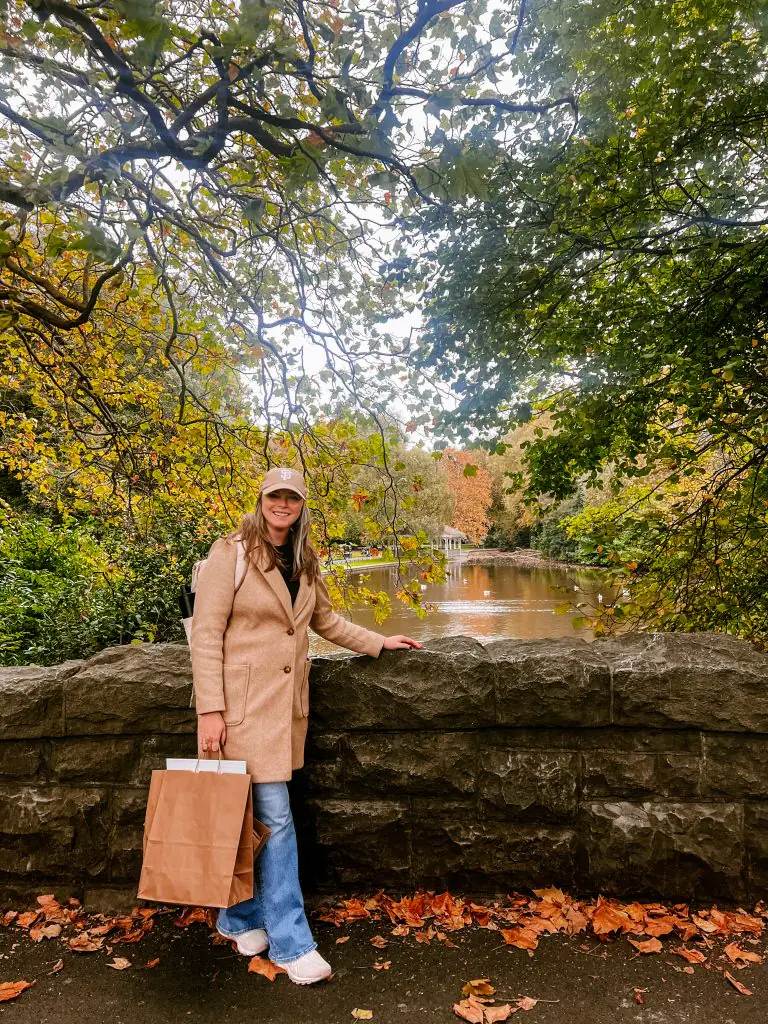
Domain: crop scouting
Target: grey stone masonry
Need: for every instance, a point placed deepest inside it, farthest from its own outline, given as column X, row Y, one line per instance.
column 636, row 765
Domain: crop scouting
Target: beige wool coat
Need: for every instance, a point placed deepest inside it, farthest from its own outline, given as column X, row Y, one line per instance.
column 250, row 658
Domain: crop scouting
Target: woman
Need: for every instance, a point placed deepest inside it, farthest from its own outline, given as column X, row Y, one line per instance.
column 250, row 669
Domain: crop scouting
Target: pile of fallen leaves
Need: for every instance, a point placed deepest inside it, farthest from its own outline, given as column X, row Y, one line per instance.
column 521, row 922
column 81, row 932
column 712, row 938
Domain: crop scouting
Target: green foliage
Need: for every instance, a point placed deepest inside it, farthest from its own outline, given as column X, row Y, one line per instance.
column 550, row 535
column 615, row 279
column 69, row 590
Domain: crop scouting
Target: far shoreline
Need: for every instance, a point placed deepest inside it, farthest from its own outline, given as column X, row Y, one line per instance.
column 519, row 558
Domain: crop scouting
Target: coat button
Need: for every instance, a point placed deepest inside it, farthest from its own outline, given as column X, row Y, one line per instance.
column 290, row 631
column 287, row 668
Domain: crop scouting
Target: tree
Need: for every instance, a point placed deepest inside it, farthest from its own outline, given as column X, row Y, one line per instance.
column 616, row 277
column 250, row 154
column 472, row 487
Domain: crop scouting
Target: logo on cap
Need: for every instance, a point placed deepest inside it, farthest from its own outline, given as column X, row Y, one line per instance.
column 285, row 474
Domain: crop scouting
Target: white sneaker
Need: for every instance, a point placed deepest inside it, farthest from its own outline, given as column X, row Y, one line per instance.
column 249, row 943
column 307, row 969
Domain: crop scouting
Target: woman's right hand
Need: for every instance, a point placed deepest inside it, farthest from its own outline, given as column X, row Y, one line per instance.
column 211, row 732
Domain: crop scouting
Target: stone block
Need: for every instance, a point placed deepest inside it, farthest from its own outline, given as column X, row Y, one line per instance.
column 53, row 832
column 323, row 772
column 756, row 849
column 464, row 855
column 678, row 776
column 21, row 760
column 361, row 844
column 550, row 683
column 446, row 685
column 153, row 750
column 735, row 767
column 111, row 900
column 618, row 773
column 32, row 700
column 696, row 680
column 126, row 838
column 137, row 688
column 678, row 851
column 405, row 763
column 534, row 785
column 83, row 760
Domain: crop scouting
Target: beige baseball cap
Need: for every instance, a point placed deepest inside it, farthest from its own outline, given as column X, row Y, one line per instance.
column 279, row 478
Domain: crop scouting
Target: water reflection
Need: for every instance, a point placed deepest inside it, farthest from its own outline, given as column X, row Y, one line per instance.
column 490, row 602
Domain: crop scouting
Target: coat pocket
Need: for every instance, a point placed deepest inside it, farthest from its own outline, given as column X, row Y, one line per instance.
column 235, row 693
column 305, row 689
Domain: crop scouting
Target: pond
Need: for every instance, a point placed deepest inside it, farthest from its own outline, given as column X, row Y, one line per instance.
column 489, row 602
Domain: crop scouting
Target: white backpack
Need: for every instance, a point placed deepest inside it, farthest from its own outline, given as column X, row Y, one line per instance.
column 187, row 599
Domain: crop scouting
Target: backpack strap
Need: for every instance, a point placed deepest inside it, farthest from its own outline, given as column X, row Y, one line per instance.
column 241, row 566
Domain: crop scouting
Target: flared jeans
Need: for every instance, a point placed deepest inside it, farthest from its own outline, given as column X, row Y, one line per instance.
column 277, row 904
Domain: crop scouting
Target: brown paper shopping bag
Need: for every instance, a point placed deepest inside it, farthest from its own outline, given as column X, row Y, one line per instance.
column 198, row 839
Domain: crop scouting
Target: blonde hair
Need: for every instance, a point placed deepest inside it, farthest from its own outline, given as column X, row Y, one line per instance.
column 253, row 532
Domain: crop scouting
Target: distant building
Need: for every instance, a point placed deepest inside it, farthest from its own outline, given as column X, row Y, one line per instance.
column 450, row 541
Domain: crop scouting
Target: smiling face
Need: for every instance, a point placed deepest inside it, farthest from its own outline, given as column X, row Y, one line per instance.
column 281, row 509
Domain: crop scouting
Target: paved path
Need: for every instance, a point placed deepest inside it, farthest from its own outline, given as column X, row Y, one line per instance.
column 578, row 981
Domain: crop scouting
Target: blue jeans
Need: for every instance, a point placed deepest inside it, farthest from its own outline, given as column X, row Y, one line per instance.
column 277, row 904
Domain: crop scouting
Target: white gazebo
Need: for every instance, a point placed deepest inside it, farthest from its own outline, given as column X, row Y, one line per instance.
column 450, row 541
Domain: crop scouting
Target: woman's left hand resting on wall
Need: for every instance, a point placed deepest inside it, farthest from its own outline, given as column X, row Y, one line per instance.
column 400, row 643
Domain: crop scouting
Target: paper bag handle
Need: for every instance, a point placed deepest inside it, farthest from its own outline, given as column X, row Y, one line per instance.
column 207, row 758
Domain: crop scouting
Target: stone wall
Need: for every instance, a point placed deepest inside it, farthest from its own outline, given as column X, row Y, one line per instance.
column 631, row 766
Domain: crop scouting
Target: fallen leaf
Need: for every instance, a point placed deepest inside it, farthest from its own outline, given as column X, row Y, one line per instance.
column 704, row 925
column 119, row 963
column 362, row 1014
column 497, row 1013
column 9, row 917
column 606, row 919
column 470, row 1010
column 46, row 931
column 342, row 938
column 401, row 930
column 379, row 941
column 552, row 894
column 647, row 945
column 688, row 969
column 133, row 936
column 58, row 966
column 260, row 965
column 735, row 953
column 527, row 1003
column 693, row 956
column 382, row 965
column 25, row 920
column 522, row 938
column 194, row 915
column 154, row 962
column 478, row 987
column 659, row 926
column 83, row 944
column 739, row 921
column 737, row 985
column 639, row 995
column 13, row 989
column 424, row 936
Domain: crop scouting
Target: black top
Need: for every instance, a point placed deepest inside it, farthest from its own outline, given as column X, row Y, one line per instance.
column 286, row 554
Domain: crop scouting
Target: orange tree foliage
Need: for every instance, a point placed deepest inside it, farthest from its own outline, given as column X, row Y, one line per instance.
column 472, row 488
